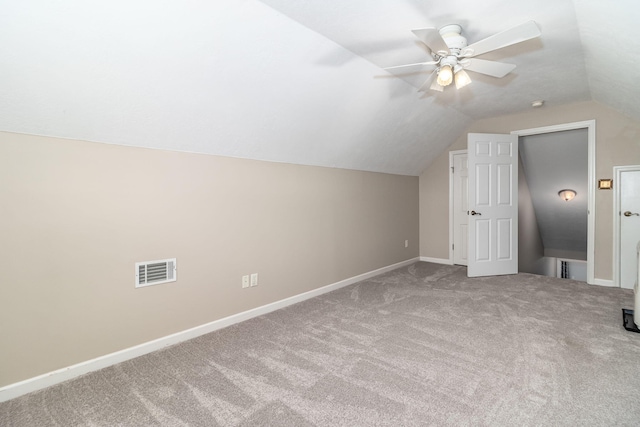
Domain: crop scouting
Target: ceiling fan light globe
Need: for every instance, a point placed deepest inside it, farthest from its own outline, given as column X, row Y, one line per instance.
column 445, row 75
column 435, row 86
column 462, row 79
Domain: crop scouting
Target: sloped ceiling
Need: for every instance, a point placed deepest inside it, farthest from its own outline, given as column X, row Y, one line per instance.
column 295, row 81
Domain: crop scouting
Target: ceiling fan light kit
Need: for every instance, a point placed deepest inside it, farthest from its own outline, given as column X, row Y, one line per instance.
column 451, row 54
column 445, row 75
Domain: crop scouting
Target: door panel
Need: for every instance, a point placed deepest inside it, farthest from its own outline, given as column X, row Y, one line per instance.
column 483, row 240
column 504, row 185
column 504, row 238
column 483, row 185
column 483, row 149
column 504, row 149
column 493, row 230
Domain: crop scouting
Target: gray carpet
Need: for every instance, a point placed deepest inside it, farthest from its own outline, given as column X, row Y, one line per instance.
column 422, row 345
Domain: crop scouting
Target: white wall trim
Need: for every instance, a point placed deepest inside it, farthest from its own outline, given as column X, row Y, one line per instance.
column 14, row 390
column 604, row 282
column 436, row 260
column 590, row 125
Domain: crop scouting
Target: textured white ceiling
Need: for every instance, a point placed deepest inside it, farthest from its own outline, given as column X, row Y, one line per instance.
column 379, row 31
column 294, row 81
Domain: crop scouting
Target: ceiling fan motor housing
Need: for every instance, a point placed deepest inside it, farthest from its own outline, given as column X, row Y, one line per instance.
column 452, row 37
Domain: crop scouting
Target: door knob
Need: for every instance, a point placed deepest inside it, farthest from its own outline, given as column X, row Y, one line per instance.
column 478, row 213
column 629, row 213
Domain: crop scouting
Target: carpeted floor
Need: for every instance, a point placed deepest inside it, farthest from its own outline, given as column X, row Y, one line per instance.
column 422, row 345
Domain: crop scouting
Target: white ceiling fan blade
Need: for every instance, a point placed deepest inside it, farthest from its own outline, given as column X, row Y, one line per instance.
column 427, row 84
column 490, row 68
column 432, row 38
column 411, row 65
column 517, row 34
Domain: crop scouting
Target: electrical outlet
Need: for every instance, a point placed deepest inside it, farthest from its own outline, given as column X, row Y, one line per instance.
column 406, row 243
column 245, row 281
column 254, row 279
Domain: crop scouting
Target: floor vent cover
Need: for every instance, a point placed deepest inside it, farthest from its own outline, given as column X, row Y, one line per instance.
column 155, row 272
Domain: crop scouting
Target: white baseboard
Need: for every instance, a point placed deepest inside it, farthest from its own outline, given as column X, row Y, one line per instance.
column 603, row 282
column 436, row 260
column 14, row 390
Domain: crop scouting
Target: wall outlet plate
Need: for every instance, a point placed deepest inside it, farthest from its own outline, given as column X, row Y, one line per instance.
column 245, row 281
column 254, row 279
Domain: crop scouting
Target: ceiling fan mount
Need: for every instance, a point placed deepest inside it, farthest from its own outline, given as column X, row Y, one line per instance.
column 452, row 55
column 452, row 36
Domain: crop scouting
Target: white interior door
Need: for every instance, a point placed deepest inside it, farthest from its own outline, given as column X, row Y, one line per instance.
column 629, row 182
column 460, row 209
column 493, row 204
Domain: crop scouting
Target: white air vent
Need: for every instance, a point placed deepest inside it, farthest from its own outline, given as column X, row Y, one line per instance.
column 155, row 272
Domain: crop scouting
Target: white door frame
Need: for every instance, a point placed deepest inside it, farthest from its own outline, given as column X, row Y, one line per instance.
column 590, row 125
column 451, row 189
column 617, row 174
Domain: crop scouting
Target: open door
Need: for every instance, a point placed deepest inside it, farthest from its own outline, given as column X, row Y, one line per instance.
column 493, row 204
column 627, row 224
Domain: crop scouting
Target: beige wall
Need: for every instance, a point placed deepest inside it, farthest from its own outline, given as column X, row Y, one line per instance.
column 434, row 201
column 617, row 143
column 76, row 216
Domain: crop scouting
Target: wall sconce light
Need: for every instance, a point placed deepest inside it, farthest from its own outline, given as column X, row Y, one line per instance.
column 605, row 184
column 566, row 195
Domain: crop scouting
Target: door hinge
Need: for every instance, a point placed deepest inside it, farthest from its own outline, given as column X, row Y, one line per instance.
column 452, row 169
column 453, row 246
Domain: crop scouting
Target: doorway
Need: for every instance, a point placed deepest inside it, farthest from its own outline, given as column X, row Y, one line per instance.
column 590, row 192
column 553, row 229
column 590, row 126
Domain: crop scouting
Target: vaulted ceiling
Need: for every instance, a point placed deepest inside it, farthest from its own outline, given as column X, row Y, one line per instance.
column 297, row 81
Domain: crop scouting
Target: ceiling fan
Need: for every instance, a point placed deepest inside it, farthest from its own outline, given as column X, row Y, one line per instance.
column 452, row 56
